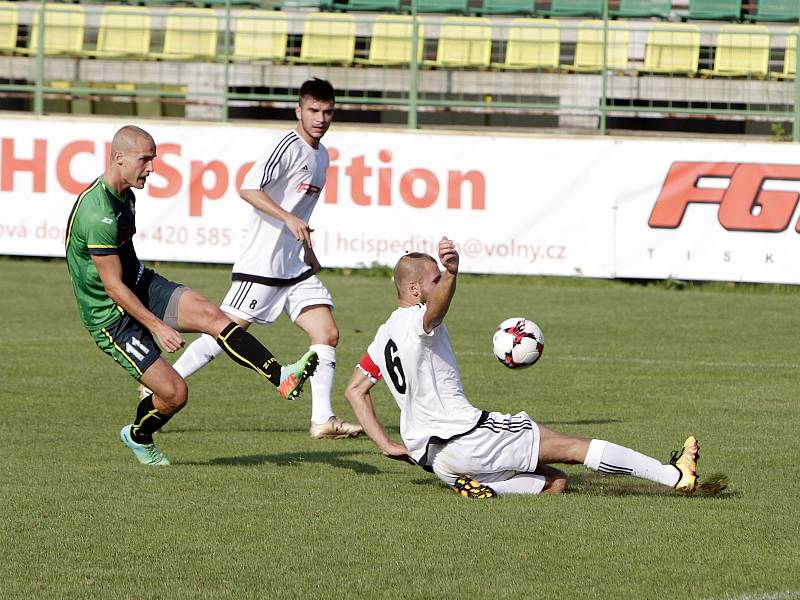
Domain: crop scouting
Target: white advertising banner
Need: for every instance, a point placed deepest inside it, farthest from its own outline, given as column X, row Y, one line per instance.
column 598, row 208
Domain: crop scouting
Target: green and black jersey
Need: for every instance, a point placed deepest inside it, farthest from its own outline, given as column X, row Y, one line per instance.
column 101, row 222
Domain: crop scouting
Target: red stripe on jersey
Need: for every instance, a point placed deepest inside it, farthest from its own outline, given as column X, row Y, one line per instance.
column 369, row 367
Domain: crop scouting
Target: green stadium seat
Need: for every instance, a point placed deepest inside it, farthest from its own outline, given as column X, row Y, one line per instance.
column 643, row 8
column 124, row 31
column 391, row 41
column 108, row 104
column 776, row 10
column 789, row 57
column 9, row 26
column 190, row 34
column 574, row 8
column 506, row 7
column 173, row 105
column 64, row 26
column 715, row 9
column 589, row 49
column 672, row 48
column 260, row 35
column 742, row 51
column 532, row 44
column 370, row 5
column 442, row 6
column 328, row 38
column 463, row 42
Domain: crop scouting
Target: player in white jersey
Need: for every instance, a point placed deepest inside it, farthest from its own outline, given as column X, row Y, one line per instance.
column 479, row 453
column 276, row 270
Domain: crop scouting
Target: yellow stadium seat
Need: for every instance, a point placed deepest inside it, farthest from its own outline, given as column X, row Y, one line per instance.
column 9, row 24
column 124, row 31
column 589, row 49
column 391, row 41
column 191, row 33
column 64, row 26
column 532, row 44
column 742, row 51
column 463, row 42
column 789, row 57
column 261, row 35
column 328, row 38
column 672, row 48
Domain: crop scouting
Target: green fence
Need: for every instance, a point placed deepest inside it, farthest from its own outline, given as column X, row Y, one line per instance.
column 497, row 63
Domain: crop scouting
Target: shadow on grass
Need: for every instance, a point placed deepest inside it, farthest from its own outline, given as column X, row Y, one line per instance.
column 340, row 460
column 583, row 422
column 266, row 429
column 592, row 484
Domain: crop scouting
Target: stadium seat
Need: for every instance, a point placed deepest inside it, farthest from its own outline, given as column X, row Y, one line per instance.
column 9, row 25
column 463, row 42
column 672, row 48
column 574, row 8
column 370, row 5
column 260, row 35
column 64, row 26
column 643, row 8
column 108, row 104
column 532, row 44
column 124, row 31
column 589, row 49
column 506, row 7
column 328, row 38
column 776, row 10
column 715, row 9
column 391, row 41
column 742, row 51
column 789, row 57
column 442, row 6
column 191, row 33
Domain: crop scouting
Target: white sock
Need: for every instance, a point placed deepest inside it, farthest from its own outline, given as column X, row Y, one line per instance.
column 605, row 457
column 524, row 483
column 199, row 353
column 322, row 383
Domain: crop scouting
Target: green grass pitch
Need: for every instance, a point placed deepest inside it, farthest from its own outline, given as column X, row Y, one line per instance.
column 253, row 508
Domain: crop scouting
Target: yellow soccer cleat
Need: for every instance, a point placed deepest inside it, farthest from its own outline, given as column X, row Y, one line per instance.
column 685, row 460
column 334, row 428
column 469, row 488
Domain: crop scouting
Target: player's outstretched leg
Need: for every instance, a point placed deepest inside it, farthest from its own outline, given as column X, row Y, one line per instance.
column 293, row 376
column 685, row 460
column 469, row 488
column 147, row 454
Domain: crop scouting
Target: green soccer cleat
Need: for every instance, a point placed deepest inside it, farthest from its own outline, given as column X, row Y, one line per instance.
column 293, row 376
column 685, row 460
column 469, row 488
column 147, row 454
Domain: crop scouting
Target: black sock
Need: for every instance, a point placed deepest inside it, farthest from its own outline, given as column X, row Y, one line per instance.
column 148, row 421
column 246, row 350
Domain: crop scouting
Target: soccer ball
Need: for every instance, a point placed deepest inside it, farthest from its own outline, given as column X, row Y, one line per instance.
column 518, row 343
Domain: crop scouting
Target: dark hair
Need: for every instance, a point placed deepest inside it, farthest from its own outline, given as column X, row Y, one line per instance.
column 318, row 89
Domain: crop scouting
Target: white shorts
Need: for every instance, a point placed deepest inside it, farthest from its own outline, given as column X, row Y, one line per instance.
column 500, row 448
column 263, row 304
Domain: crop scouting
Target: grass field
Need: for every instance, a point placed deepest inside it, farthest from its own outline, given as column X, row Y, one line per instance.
column 253, row 508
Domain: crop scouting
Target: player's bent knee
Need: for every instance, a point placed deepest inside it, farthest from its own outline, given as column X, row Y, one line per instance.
column 175, row 395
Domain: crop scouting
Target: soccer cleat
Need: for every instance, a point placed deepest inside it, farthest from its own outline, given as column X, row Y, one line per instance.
column 147, row 454
column 293, row 376
column 685, row 460
column 334, row 428
column 469, row 488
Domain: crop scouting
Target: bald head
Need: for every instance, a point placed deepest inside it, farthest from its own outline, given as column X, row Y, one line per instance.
column 133, row 151
column 413, row 267
column 129, row 138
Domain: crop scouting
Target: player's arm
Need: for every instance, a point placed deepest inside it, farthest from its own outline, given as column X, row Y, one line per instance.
column 439, row 301
column 110, row 270
column 260, row 200
column 358, row 395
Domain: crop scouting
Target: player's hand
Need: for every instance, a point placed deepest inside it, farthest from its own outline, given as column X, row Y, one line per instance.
column 398, row 452
column 299, row 228
column 169, row 339
column 448, row 255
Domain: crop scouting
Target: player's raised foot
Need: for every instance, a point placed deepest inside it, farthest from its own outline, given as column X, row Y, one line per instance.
column 334, row 428
column 469, row 488
column 293, row 376
column 685, row 460
column 147, row 454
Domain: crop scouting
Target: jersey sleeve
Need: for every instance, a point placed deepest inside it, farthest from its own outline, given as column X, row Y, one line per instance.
column 269, row 165
column 100, row 231
column 417, row 322
column 367, row 366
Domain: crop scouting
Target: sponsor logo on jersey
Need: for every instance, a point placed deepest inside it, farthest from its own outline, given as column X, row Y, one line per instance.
column 309, row 189
column 107, row 220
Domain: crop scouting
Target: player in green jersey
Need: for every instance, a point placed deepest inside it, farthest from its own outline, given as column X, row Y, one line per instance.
column 127, row 307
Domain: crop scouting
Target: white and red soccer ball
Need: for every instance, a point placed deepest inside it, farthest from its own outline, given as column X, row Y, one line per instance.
column 518, row 343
